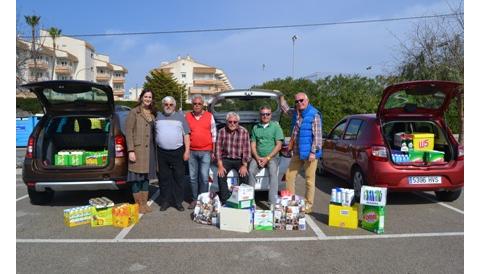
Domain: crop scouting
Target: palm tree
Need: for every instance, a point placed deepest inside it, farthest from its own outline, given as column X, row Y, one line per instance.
column 54, row 33
column 33, row 21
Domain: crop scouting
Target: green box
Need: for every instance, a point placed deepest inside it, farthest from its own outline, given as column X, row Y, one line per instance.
column 263, row 220
column 62, row 158
column 77, row 158
column 434, row 156
column 373, row 218
column 416, row 156
column 240, row 204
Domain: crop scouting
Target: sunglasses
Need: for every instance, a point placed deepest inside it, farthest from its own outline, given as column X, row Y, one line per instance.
column 232, row 122
column 265, row 114
column 168, row 105
column 299, row 101
column 197, row 104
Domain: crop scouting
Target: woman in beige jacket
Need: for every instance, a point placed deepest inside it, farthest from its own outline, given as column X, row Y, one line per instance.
column 139, row 129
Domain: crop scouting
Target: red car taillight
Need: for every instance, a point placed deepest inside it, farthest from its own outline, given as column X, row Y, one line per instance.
column 460, row 153
column 379, row 153
column 119, row 146
column 30, row 146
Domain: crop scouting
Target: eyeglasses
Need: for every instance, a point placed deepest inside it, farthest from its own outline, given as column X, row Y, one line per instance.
column 232, row 122
column 197, row 104
column 299, row 101
column 168, row 105
column 265, row 114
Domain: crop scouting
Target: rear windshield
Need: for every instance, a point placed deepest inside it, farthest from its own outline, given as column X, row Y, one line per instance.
column 245, row 104
column 432, row 99
column 78, row 125
column 92, row 95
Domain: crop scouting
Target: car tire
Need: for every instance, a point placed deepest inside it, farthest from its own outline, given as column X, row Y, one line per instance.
column 40, row 198
column 448, row 195
column 320, row 169
column 357, row 180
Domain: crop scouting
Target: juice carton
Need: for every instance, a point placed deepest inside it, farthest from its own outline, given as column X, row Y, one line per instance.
column 373, row 218
column 101, row 217
column 77, row 216
column 77, row 158
column 263, row 220
column 125, row 215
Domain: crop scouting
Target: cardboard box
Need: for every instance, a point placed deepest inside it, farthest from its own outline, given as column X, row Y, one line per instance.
column 373, row 218
column 423, row 141
column 125, row 215
column 77, row 216
column 62, row 158
column 240, row 204
column 101, row 217
column 343, row 216
column 400, row 136
column 416, row 156
column 207, row 209
column 242, row 193
column 263, row 220
column 374, row 196
column 239, row 220
column 434, row 156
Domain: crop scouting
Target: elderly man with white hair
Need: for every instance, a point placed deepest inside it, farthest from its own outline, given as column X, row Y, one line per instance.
column 232, row 152
column 172, row 136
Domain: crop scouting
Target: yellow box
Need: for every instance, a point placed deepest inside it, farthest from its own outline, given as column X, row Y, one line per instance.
column 423, row 141
column 343, row 216
column 125, row 215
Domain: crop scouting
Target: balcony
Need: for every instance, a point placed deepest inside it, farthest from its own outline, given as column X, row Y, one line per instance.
column 102, row 77
column 204, row 70
column 41, row 64
column 118, row 92
column 32, row 79
column 64, row 70
column 118, row 80
column 203, row 91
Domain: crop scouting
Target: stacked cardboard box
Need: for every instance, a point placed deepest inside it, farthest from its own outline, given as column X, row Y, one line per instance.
column 239, row 211
column 373, row 201
column 342, row 210
column 125, row 215
column 289, row 213
column 77, row 216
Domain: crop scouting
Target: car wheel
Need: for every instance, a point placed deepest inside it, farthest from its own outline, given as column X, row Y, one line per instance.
column 320, row 169
column 40, row 198
column 448, row 195
column 357, row 181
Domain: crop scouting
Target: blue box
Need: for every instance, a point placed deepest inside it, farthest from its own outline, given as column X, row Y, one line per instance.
column 25, row 126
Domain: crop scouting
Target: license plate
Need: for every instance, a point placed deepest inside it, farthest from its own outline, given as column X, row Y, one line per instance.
column 419, row 180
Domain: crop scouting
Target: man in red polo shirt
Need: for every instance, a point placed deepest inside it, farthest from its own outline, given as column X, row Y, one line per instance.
column 202, row 141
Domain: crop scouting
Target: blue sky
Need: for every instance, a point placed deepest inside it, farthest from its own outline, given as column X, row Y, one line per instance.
column 241, row 54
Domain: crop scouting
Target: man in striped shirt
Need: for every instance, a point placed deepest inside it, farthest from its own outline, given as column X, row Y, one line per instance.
column 232, row 152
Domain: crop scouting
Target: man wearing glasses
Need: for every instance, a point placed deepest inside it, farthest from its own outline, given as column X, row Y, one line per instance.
column 266, row 142
column 232, row 152
column 202, row 141
column 173, row 141
column 305, row 144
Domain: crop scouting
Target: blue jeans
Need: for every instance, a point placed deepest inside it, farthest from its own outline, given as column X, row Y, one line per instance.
column 199, row 164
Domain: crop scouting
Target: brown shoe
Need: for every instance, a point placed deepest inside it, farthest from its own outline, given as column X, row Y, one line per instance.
column 146, row 207
column 192, row 204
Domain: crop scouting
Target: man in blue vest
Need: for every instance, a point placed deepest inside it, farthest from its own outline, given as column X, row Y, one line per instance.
column 306, row 146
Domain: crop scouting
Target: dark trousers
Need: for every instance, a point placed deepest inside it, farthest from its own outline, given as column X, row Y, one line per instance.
column 229, row 164
column 171, row 175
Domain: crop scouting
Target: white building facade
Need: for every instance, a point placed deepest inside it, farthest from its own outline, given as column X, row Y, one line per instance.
column 75, row 59
column 197, row 78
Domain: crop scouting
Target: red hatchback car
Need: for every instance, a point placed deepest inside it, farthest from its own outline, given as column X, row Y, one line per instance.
column 363, row 148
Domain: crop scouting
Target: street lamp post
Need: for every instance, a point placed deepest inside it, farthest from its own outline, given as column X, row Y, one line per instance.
column 294, row 37
column 76, row 74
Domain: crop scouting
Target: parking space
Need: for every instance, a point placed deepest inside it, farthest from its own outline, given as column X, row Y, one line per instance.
column 414, row 223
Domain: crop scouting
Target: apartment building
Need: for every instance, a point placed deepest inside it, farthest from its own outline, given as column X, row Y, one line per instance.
column 198, row 78
column 75, row 59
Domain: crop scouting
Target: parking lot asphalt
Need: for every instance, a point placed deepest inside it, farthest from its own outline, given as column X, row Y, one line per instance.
column 421, row 235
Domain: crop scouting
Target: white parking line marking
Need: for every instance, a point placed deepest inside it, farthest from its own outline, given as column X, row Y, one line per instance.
column 126, row 230
column 315, row 227
column 23, row 197
column 439, row 203
column 243, row 240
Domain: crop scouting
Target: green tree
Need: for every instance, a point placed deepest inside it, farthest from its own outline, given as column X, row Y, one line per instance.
column 436, row 52
column 33, row 21
column 54, row 34
column 163, row 84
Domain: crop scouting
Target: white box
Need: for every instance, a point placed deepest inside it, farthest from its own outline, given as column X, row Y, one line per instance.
column 374, row 196
column 242, row 193
column 263, row 220
column 239, row 220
